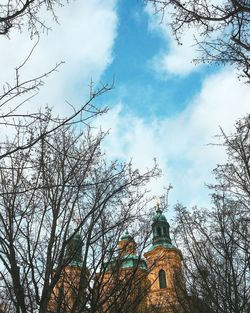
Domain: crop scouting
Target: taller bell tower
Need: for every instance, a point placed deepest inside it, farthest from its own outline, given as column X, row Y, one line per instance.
column 164, row 263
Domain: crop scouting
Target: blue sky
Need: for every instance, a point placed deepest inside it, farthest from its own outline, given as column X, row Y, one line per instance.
column 163, row 106
column 133, row 52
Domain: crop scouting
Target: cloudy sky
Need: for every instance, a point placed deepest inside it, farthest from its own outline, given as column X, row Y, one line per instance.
column 163, row 106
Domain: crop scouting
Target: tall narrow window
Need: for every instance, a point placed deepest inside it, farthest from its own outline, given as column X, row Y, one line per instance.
column 162, row 279
column 158, row 231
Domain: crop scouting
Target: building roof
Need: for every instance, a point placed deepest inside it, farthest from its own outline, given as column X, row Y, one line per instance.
column 125, row 262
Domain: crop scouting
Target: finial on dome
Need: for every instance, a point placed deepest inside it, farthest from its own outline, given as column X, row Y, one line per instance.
column 158, row 204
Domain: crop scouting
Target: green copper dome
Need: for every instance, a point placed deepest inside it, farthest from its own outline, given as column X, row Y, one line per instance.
column 73, row 253
column 126, row 236
column 127, row 256
column 159, row 217
column 160, row 229
column 125, row 262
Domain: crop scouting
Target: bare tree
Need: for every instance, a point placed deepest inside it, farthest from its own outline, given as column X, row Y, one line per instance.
column 16, row 14
column 18, row 123
column 44, row 190
column 23, row 16
column 215, row 242
column 63, row 206
column 15, row 94
column 223, row 27
column 216, row 265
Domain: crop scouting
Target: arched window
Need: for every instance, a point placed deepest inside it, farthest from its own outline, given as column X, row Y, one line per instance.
column 162, row 279
column 158, row 231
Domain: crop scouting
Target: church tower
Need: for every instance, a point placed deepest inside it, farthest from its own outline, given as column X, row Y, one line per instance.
column 124, row 279
column 164, row 262
column 69, row 291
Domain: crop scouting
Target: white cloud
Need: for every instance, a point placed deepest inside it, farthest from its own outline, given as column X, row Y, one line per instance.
column 180, row 143
column 177, row 58
column 83, row 39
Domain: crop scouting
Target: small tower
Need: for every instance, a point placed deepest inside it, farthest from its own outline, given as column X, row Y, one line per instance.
column 73, row 253
column 71, row 285
column 160, row 228
column 126, row 245
column 164, row 263
column 124, row 279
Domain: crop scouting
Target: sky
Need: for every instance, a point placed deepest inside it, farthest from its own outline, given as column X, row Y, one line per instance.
column 162, row 105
